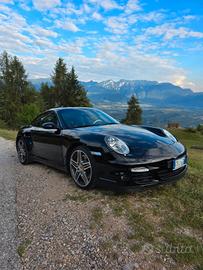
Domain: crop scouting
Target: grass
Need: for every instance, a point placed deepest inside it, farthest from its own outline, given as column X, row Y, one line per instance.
column 170, row 218
column 8, row 134
column 22, row 247
column 117, row 209
column 96, row 218
column 188, row 138
column 78, row 196
column 182, row 248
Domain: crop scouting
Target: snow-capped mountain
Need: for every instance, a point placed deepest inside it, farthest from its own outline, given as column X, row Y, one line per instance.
column 150, row 92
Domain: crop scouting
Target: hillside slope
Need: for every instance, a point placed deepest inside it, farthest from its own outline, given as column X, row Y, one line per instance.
column 149, row 92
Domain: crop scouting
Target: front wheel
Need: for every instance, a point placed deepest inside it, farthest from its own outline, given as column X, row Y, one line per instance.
column 82, row 168
column 23, row 154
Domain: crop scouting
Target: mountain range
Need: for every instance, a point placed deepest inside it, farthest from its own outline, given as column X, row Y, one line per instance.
column 148, row 92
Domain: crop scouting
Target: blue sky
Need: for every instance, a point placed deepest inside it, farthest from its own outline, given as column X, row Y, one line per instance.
column 107, row 39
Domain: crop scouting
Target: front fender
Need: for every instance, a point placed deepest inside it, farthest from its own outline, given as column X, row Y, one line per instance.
column 26, row 135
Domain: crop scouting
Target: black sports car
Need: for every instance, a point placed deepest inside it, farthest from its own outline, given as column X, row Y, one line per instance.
column 94, row 147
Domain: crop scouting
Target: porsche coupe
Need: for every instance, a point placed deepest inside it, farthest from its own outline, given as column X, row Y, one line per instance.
column 92, row 146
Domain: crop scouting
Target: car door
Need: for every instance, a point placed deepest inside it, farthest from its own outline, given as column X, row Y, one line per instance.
column 47, row 143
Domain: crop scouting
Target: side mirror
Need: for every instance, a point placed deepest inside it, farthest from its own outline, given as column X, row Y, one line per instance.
column 49, row 125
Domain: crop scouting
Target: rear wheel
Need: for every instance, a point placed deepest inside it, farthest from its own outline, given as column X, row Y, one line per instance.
column 23, row 154
column 82, row 168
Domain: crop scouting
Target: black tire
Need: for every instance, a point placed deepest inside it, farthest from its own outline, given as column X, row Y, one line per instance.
column 22, row 151
column 83, row 168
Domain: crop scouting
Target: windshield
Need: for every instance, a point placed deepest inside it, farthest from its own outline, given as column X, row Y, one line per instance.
column 74, row 118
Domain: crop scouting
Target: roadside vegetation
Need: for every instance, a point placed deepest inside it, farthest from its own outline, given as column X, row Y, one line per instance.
column 164, row 222
column 23, row 246
column 8, row 134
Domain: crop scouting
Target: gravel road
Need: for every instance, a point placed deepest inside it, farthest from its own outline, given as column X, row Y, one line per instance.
column 52, row 224
column 9, row 258
column 47, row 223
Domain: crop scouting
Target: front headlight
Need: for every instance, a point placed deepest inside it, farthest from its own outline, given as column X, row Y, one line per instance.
column 117, row 145
column 169, row 135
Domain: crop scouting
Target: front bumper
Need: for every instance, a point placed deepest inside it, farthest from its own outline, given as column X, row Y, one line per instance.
column 158, row 173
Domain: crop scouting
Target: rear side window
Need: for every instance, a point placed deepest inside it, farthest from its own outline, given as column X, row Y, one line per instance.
column 44, row 118
column 37, row 121
column 50, row 117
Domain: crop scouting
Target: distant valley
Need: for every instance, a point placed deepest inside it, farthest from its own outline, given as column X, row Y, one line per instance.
column 161, row 102
column 148, row 92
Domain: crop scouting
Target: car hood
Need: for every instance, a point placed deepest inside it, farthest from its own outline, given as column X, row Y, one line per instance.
column 130, row 134
column 143, row 143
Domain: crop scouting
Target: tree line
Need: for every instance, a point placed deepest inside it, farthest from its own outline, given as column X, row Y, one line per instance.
column 20, row 102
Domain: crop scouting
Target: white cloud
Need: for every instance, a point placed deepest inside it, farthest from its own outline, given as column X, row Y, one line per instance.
column 42, row 42
column 24, row 5
column 109, row 4
column 169, row 31
column 4, row 8
column 112, row 62
column 46, row 4
column 6, row 1
column 67, row 25
column 181, row 80
column 70, row 8
column 106, row 4
column 153, row 16
column 97, row 16
column 189, row 18
column 117, row 25
column 42, row 32
column 71, row 47
column 132, row 6
column 86, row 8
column 32, row 64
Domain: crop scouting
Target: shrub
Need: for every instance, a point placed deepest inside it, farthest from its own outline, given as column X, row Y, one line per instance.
column 3, row 124
column 27, row 114
column 191, row 130
column 200, row 128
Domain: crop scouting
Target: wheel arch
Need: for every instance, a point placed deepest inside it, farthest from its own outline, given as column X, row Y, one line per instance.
column 27, row 139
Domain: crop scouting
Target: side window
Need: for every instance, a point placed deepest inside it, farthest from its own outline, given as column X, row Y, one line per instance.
column 37, row 121
column 44, row 118
column 50, row 117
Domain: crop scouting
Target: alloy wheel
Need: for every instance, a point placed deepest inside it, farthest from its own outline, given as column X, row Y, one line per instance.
column 81, row 168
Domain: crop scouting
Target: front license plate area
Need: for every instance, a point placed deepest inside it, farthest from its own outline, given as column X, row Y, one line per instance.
column 179, row 163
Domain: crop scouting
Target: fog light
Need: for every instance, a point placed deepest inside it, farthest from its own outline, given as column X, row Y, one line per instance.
column 140, row 169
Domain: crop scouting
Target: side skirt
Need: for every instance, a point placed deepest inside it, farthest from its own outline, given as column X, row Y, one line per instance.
column 49, row 164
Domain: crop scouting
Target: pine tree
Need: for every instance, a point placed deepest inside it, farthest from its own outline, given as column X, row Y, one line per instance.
column 4, row 80
column 60, row 82
column 78, row 95
column 134, row 112
column 48, row 96
column 15, row 91
column 67, row 89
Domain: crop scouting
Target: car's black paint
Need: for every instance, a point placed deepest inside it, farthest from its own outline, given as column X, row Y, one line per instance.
column 52, row 144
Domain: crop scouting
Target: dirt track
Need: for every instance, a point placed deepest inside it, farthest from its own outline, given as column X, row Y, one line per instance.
column 53, row 225
column 9, row 260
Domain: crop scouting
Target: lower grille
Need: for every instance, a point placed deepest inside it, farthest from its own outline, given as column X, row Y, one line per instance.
column 161, row 175
column 164, row 175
